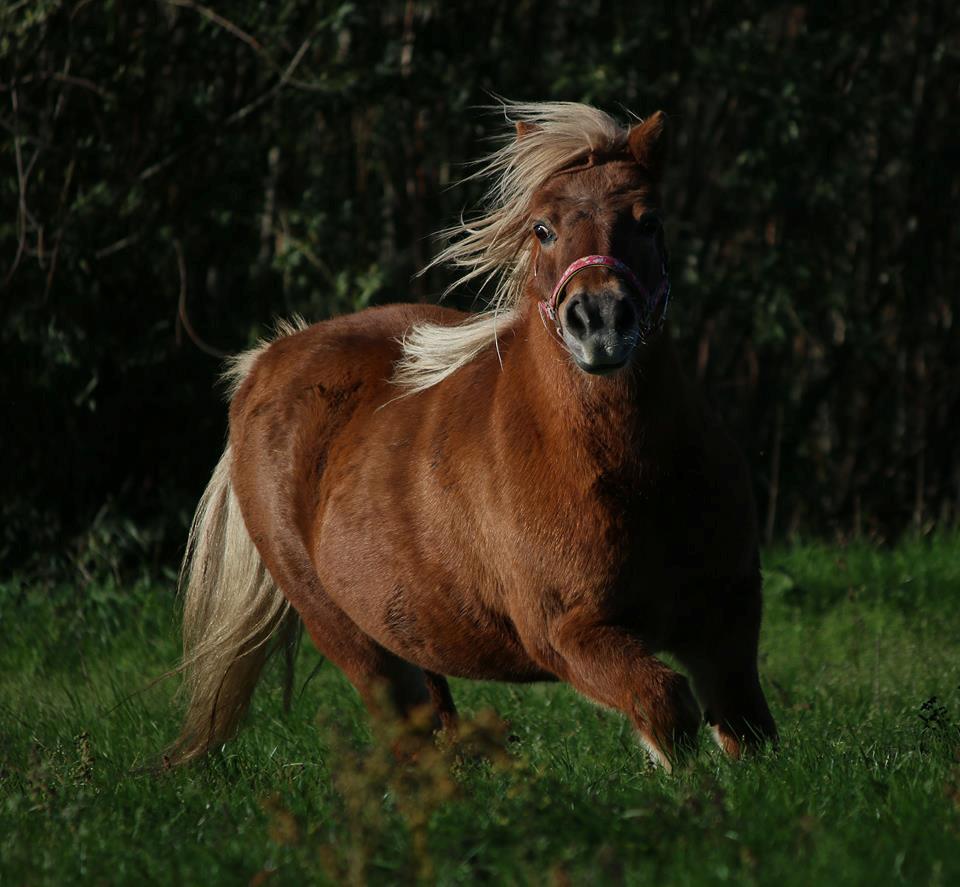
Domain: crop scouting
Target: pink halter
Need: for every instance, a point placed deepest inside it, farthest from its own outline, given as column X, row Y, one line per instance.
column 652, row 311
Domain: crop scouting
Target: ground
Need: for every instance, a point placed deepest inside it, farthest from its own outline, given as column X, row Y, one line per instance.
column 861, row 662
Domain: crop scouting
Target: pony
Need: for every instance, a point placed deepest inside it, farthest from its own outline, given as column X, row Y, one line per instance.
column 531, row 493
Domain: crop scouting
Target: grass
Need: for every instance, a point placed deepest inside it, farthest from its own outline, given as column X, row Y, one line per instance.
column 861, row 660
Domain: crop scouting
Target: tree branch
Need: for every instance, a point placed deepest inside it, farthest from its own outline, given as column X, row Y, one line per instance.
column 182, row 308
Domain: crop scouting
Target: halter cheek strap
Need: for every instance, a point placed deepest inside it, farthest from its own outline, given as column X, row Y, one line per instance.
column 653, row 308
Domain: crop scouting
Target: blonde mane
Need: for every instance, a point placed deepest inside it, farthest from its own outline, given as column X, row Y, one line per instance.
column 495, row 247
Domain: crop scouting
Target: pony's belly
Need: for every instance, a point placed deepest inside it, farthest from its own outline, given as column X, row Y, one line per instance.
column 390, row 574
column 487, row 657
column 466, row 641
column 450, row 631
column 494, row 668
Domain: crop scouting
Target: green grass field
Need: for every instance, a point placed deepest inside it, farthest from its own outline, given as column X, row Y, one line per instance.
column 861, row 662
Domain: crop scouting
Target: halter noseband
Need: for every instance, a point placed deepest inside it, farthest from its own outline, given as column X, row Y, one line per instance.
column 653, row 308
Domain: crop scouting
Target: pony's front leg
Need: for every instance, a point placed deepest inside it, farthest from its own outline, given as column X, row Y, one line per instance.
column 733, row 702
column 613, row 667
column 723, row 666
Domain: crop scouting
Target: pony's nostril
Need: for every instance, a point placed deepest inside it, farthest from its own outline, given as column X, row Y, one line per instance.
column 624, row 317
column 577, row 319
column 586, row 315
column 589, row 313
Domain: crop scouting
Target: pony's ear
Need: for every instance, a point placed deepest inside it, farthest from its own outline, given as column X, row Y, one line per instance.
column 648, row 143
column 524, row 129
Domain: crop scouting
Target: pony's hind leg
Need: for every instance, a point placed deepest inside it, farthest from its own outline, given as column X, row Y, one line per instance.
column 613, row 667
column 387, row 684
column 443, row 706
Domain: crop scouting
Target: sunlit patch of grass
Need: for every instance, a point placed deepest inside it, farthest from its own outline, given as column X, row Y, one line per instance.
column 861, row 660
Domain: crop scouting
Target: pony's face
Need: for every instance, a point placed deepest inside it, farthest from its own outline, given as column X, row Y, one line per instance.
column 600, row 258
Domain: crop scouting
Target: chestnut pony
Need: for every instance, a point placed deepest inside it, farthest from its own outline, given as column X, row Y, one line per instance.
column 531, row 493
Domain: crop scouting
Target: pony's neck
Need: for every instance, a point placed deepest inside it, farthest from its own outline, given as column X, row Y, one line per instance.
column 614, row 419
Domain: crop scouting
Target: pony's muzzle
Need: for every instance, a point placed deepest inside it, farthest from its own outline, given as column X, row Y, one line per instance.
column 600, row 329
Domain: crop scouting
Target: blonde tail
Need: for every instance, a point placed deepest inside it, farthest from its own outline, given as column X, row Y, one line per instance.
column 232, row 611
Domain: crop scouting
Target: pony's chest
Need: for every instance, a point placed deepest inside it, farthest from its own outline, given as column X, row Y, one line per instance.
column 696, row 522
column 677, row 523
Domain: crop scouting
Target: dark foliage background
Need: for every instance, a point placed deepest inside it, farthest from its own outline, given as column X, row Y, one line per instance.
column 252, row 159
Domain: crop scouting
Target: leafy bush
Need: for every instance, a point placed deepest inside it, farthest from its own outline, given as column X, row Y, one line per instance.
column 177, row 171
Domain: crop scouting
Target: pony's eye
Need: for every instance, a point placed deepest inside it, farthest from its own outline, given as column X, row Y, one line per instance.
column 649, row 223
column 544, row 234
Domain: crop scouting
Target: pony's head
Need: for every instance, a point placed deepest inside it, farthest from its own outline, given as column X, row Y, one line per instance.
column 598, row 255
column 570, row 227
